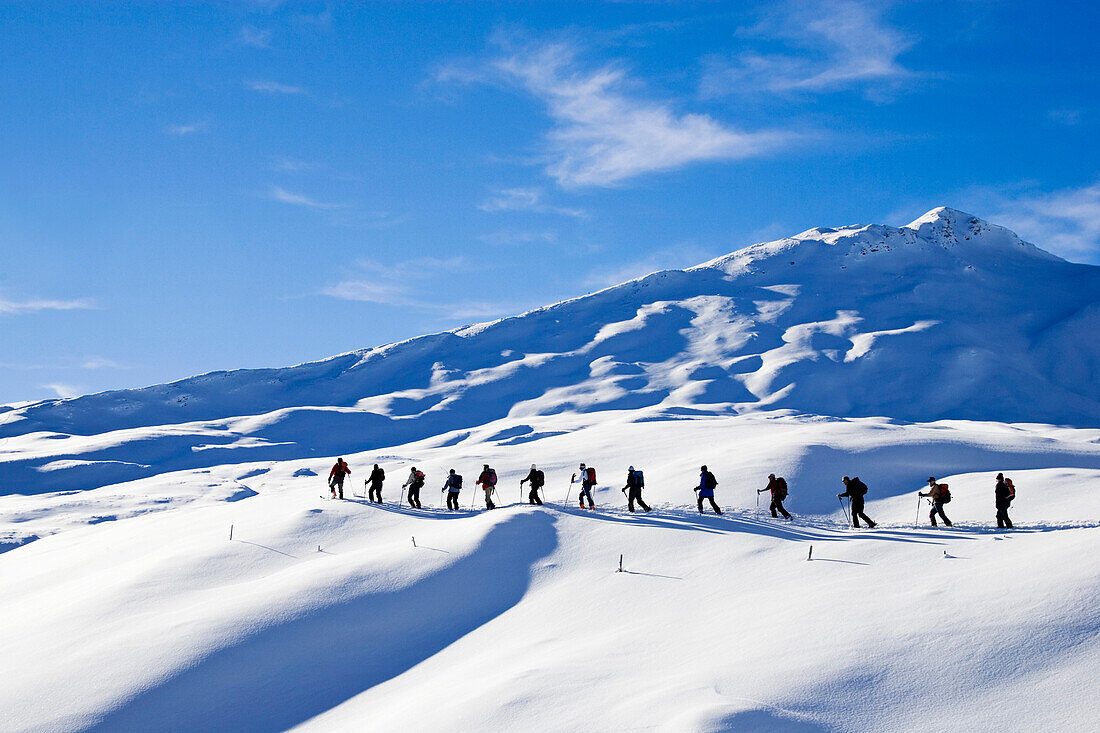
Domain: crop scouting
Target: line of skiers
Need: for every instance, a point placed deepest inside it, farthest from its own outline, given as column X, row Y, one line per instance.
column 855, row 491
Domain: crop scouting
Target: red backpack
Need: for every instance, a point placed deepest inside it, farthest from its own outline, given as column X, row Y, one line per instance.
column 492, row 477
column 941, row 494
column 591, row 473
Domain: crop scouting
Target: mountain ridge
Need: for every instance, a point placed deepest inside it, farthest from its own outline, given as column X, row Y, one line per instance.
column 947, row 317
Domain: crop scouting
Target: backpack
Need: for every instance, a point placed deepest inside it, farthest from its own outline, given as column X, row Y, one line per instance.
column 781, row 488
column 491, row 479
column 381, row 474
column 456, row 481
column 639, row 479
column 419, row 476
column 1011, row 491
column 857, row 487
column 538, row 479
column 711, row 481
column 943, row 493
column 590, row 475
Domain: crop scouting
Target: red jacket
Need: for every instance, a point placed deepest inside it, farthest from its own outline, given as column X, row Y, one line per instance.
column 340, row 470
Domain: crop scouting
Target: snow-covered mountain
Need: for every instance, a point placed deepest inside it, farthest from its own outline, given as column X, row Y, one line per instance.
column 948, row 317
column 168, row 564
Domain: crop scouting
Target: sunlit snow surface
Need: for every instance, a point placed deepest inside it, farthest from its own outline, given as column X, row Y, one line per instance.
column 947, row 347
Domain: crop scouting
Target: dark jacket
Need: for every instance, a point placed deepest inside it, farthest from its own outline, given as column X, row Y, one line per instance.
column 778, row 487
column 1001, row 494
column 856, row 488
column 377, row 476
column 633, row 480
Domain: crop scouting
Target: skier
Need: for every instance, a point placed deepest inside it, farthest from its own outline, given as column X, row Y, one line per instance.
column 855, row 490
column 588, row 480
column 537, row 480
column 488, row 481
column 1003, row 495
column 452, row 487
column 707, row 484
column 377, row 476
column 778, row 487
column 939, row 495
column 336, row 477
column 635, row 482
column 414, row 483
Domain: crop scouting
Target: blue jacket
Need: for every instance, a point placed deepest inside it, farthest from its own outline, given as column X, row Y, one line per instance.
column 704, row 489
column 454, row 483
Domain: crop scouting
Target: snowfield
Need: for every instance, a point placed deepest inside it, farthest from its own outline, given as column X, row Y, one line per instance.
column 947, row 348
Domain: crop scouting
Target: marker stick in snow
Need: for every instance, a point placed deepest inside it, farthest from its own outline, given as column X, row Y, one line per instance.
column 414, row 541
column 620, row 564
column 810, row 556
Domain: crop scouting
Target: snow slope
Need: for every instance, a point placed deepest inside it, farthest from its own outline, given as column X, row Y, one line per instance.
column 947, row 347
column 947, row 317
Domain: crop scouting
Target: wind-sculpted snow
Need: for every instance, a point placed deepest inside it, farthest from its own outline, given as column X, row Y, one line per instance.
column 948, row 317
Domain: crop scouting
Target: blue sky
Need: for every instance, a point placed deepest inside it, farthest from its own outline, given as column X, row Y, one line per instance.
column 188, row 187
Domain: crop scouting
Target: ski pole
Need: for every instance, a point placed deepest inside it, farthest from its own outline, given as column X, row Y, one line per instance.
column 844, row 509
column 916, row 520
column 569, row 490
column 757, row 503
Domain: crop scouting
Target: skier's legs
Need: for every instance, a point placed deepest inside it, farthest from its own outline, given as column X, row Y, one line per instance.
column 937, row 508
column 489, row 498
column 775, row 514
column 714, row 504
column 700, row 505
column 533, row 497
column 779, row 506
column 340, row 486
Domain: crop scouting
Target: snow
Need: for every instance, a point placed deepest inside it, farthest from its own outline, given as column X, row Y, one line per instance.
column 891, row 354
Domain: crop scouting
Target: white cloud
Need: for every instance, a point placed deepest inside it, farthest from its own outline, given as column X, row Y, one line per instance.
column 414, row 284
column 276, row 193
column 606, row 132
column 12, row 307
column 1066, row 222
column 64, row 391
column 834, row 45
column 507, row 237
column 525, row 199
column 99, row 362
column 676, row 257
column 189, row 128
column 274, row 87
column 255, row 37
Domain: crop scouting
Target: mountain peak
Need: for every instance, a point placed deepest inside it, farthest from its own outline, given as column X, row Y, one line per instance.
column 947, row 215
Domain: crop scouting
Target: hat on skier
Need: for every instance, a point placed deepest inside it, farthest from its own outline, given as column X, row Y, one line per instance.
column 532, row 466
column 582, row 465
column 631, row 468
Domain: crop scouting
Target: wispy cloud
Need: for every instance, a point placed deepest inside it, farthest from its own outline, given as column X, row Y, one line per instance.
column 1066, row 222
column 507, row 237
column 64, row 391
column 13, row 307
column 281, row 195
column 255, row 37
column 525, row 199
column 832, row 45
column 99, row 362
column 606, row 131
column 407, row 284
column 189, row 128
column 679, row 256
column 274, row 87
